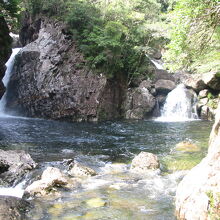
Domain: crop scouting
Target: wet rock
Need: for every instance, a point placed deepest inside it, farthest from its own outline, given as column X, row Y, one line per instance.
column 51, row 179
column 139, row 102
column 187, row 146
column 163, row 74
column 207, row 113
column 144, row 162
column 79, row 170
column 95, row 203
column 164, row 86
column 197, row 195
column 13, row 208
column 212, row 80
column 14, row 165
column 16, row 41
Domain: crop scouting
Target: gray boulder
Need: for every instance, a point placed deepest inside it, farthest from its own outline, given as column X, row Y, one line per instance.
column 14, row 165
column 139, row 102
column 212, row 80
column 164, row 86
column 144, row 162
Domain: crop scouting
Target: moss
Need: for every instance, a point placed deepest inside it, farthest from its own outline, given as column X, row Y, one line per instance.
column 214, row 205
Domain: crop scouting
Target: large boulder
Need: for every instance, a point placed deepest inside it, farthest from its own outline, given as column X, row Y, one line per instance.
column 50, row 79
column 144, row 162
column 212, row 80
column 197, row 195
column 14, row 165
column 139, row 102
column 164, row 86
column 51, row 179
column 12, row 208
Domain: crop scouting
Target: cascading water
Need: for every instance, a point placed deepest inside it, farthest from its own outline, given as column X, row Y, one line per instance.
column 6, row 78
column 180, row 105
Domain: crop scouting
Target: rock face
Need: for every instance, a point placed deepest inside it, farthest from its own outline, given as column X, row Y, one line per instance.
column 5, row 50
column 197, row 195
column 139, row 102
column 51, row 178
column 144, row 162
column 51, row 80
column 13, row 208
column 164, row 86
column 14, row 165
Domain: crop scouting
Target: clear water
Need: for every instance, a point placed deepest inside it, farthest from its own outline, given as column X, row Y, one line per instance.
column 108, row 147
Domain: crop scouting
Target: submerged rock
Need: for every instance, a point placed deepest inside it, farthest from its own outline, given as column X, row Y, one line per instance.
column 197, row 195
column 12, row 208
column 79, row 170
column 14, row 165
column 144, row 162
column 187, row 146
column 51, row 179
column 95, row 202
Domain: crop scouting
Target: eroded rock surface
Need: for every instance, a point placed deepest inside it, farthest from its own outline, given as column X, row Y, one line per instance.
column 197, row 195
column 14, row 165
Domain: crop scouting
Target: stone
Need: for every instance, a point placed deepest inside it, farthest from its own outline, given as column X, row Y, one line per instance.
column 194, row 81
column 13, row 208
column 14, row 165
column 144, row 162
column 79, row 170
column 197, row 195
column 203, row 93
column 139, row 102
column 162, row 74
column 95, row 203
column 187, row 146
column 212, row 80
column 164, row 86
column 51, row 178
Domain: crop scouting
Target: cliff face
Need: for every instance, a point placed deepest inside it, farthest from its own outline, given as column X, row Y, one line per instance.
column 50, row 80
column 198, row 194
column 5, row 51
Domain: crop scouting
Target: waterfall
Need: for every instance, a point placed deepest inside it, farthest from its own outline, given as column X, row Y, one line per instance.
column 5, row 80
column 158, row 64
column 180, row 105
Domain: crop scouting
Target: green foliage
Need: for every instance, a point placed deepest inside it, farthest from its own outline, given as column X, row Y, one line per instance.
column 194, row 35
column 113, row 35
column 9, row 10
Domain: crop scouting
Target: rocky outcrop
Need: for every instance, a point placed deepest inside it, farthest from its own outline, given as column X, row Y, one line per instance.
column 144, row 162
column 51, row 179
column 5, row 50
column 14, row 165
column 51, row 80
column 139, row 102
column 13, row 208
column 197, row 195
column 164, row 86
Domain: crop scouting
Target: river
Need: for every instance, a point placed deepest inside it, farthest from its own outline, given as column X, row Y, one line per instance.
column 108, row 147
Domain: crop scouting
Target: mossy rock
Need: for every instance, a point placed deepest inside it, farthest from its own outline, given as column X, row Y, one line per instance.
column 187, row 146
column 95, row 202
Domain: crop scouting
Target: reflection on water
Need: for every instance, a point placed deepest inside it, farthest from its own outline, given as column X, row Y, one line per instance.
column 108, row 147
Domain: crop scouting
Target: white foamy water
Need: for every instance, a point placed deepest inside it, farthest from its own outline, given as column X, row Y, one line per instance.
column 180, row 105
column 5, row 80
column 158, row 64
column 16, row 191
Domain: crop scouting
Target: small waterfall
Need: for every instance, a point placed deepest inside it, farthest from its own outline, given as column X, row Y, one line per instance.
column 5, row 80
column 158, row 64
column 180, row 105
